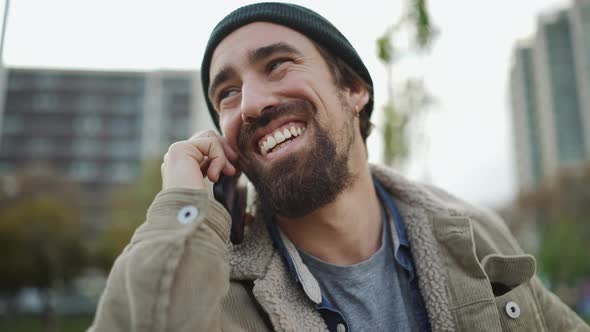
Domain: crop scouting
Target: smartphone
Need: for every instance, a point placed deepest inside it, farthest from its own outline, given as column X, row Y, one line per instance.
column 225, row 191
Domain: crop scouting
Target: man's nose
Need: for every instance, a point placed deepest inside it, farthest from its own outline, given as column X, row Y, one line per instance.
column 256, row 96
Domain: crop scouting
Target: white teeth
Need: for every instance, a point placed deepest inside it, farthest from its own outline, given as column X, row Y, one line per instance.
column 287, row 133
column 271, row 142
column 279, row 137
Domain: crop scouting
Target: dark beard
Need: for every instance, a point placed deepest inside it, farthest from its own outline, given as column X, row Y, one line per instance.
column 300, row 183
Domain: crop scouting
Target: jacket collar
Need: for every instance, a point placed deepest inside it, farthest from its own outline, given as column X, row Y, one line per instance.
column 256, row 258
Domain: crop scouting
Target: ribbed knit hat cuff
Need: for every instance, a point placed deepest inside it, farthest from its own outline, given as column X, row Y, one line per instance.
column 298, row 18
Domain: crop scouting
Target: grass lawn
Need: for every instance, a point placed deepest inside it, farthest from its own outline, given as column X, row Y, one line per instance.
column 35, row 324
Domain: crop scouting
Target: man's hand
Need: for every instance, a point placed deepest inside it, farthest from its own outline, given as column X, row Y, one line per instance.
column 205, row 153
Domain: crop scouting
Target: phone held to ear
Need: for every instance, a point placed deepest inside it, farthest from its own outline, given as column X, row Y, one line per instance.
column 226, row 193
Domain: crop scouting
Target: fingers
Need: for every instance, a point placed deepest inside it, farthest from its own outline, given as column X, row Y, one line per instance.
column 217, row 159
column 229, row 151
column 220, row 157
column 205, row 154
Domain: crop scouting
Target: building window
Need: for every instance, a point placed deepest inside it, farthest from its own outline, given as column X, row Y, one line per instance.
column 17, row 82
column 45, row 81
column 45, row 102
column 85, row 147
column 89, row 103
column 124, row 149
column 178, row 128
column 89, row 125
column 122, row 172
column 13, row 124
column 84, row 170
column 40, row 146
column 178, row 85
column 177, row 101
column 127, row 104
column 120, row 126
column 9, row 145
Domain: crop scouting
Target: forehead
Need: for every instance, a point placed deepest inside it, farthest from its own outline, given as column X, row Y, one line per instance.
column 236, row 45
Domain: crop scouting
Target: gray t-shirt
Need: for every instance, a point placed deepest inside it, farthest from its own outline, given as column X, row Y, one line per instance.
column 369, row 294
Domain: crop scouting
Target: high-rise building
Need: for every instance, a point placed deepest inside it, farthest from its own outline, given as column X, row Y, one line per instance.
column 580, row 29
column 96, row 127
column 559, row 109
column 525, row 119
column 174, row 109
column 550, row 96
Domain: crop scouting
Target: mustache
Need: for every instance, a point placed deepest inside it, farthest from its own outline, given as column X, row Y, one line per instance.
column 269, row 114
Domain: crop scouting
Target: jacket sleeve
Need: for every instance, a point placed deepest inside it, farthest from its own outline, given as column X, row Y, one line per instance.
column 556, row 315
column 174, row 273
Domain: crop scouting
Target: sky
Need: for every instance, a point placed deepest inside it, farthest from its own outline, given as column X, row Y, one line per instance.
column 463, row 143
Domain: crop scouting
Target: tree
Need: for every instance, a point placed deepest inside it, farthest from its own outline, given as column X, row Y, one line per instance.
column 41, row 241
column 559, row 209
column 128, row 211
column 564, row 256
column 413, row 96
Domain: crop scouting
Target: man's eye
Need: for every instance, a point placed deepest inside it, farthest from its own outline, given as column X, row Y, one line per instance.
column 223, row 95
column 226, row 93
column 275, row 64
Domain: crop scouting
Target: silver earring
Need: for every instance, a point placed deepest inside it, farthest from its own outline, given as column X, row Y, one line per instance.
column 357, row 110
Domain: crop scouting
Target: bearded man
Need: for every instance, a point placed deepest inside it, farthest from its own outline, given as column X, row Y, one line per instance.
column 335, row 243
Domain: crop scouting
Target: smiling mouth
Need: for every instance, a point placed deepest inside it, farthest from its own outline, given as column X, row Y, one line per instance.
column 280, row 137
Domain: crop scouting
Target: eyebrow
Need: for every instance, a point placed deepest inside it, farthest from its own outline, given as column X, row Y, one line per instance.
column 264, row 52
column 224, row 75
column 254, row 57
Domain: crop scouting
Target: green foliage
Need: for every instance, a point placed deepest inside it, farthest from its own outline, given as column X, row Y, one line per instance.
column 37, row 323
column 560, row 210
column 393, row 133
column 40, row 239
column 41, row 243
column 385, row 49
column 128, row 211
column 564, row 256
column 413, row 98
column 424, row 32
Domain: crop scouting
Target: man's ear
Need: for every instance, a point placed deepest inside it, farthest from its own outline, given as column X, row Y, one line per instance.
column 359, row 96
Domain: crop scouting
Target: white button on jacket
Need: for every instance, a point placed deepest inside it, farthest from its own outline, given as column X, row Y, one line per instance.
column 512, row 309
column 187, row 214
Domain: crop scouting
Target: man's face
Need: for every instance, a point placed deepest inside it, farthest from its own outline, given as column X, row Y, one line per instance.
column 280, row 109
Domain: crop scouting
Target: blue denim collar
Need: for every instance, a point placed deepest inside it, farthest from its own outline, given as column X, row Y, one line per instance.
column 402, row 253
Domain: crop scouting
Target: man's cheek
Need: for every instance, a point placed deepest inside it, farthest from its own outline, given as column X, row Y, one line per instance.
column 230, row 134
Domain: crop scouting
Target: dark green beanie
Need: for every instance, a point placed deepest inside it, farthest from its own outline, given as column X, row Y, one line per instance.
column 298, row 18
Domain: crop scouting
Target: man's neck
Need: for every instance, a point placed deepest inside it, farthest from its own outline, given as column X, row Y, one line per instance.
column 344, row 232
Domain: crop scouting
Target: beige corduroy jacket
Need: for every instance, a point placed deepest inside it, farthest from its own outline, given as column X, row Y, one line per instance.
column 179, row 273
